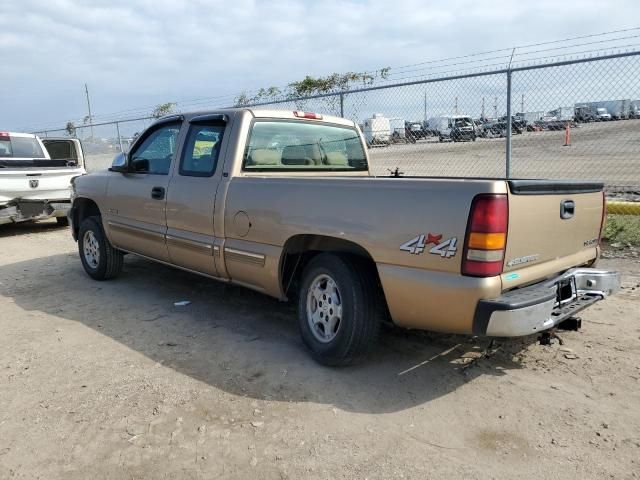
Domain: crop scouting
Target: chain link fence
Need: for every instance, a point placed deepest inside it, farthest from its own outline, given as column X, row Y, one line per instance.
column 573, row 119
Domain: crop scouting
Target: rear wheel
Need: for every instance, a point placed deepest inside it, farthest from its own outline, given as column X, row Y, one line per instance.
column 338, row 311
column 100, row 260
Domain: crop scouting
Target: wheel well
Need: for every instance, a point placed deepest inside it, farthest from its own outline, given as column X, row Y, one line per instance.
column 300, row 249
column 83, row 208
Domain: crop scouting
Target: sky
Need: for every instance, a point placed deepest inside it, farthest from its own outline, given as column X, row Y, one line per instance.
column 134, row 54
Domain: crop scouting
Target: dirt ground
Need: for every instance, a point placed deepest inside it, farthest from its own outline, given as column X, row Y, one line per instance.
column 111, row 380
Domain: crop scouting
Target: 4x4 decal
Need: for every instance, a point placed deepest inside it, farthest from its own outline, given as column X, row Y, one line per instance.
column 417, row 245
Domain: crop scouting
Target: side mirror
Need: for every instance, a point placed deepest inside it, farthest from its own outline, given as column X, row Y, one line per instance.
column 119, row 164
column 140, row 165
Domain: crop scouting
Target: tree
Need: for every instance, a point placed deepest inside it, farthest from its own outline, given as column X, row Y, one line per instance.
column 338, row 83
column 70, row 129
column 163, row 109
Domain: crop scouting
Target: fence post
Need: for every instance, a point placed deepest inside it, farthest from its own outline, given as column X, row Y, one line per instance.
column 342, row 104
column 508, row 153
column 119, row 138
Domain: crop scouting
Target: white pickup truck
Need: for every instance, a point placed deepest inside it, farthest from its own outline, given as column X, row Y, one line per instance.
column 35, row 176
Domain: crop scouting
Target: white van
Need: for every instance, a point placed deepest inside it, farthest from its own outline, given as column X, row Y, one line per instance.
column 453, row 127
column 35, row 176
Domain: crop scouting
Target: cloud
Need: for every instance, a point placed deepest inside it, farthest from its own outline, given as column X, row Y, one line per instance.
column 138, row 53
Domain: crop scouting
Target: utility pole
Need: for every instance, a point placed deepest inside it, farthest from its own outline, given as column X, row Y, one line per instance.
column 456, row 105
column 482, row 115
column 425, row 105
column 86, row 90
column 495, row 107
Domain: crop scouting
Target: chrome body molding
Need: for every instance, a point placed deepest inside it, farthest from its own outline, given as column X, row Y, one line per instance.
column 200, row 247
column 231, row 254
column 136, row 231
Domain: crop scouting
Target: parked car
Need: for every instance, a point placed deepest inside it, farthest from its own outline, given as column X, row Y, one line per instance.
column 284, row 203
column 584, row 114
column 603, row 115
column 456, row 128
column 35, row 176
column 551, row 122
column 415, row 130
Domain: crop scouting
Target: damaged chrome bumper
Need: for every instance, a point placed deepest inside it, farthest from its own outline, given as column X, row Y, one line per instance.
column 22, row 211
column 532, row 309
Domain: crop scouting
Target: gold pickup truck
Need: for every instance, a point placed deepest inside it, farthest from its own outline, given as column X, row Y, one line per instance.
column 283, row 202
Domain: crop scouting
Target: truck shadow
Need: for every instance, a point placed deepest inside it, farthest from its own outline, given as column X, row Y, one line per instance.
column 26, row 228
column 243, row 342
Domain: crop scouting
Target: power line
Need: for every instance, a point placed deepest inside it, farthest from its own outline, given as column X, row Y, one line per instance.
column 517, row 47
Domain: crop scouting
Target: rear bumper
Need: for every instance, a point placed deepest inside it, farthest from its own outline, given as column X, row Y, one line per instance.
column 532, row 309
column 23, row 211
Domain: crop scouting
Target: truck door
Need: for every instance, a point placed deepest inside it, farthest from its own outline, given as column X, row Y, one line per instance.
column 135, row 216
column 192, row 193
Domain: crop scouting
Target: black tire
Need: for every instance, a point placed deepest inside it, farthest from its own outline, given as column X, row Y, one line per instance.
column 359, row 295
column 109, row 262
column 62, row 221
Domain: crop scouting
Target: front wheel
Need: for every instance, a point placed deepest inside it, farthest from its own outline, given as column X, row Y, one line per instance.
column 338, row 311
column 100, row 260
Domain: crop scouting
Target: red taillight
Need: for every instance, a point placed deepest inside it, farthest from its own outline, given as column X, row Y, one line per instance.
column 489, row 214
column 4, row 134
column 486, row 238
column 311, row 115
column 604, row 216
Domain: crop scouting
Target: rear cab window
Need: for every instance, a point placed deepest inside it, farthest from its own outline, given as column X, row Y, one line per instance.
column 61, row 149
column 26, row 151
column 297, row 145
column 19, row 147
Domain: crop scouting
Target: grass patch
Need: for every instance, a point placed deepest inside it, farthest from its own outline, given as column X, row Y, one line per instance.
column 622, row 229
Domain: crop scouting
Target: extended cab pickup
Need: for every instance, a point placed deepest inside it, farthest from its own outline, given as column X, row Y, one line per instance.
column 35, row 176
column 283, row 203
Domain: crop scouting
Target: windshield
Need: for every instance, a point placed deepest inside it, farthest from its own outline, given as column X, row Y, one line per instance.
column 602, row 110
column 20, row 147
column 294, row 145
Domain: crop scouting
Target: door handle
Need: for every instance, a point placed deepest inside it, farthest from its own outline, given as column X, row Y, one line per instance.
column 157, row 193
column 567, row 209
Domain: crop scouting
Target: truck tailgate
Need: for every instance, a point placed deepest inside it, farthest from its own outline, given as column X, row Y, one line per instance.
column 36, row 183
column 550, row 221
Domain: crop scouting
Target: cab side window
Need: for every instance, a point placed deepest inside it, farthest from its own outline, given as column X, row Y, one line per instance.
column 155, row 152
column 201, row 150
